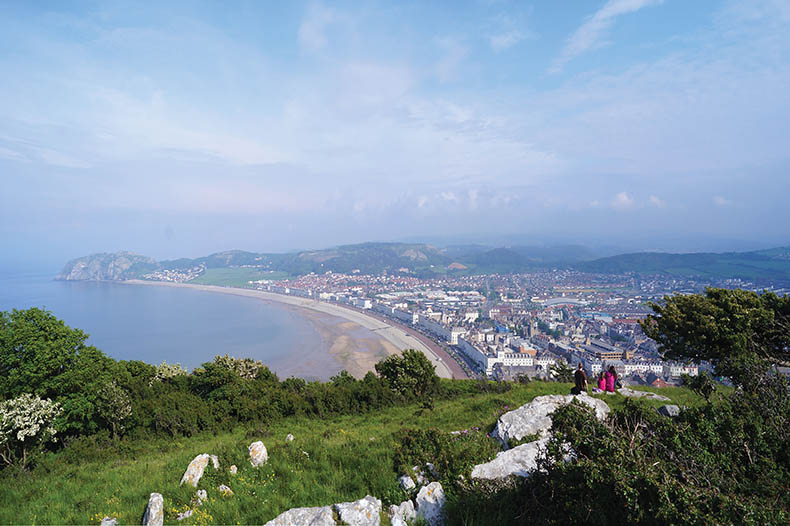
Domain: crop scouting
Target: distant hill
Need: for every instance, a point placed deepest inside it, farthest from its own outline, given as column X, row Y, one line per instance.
column 427, row 260
column 773, row 264
column 104, row 266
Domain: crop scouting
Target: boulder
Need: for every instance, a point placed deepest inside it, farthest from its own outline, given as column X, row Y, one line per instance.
column 109, row 521
column 519, row 461
column 184, row 515
column 258, row 454
column 200, row 496
column 233, row 469
column 289, row 437
column 631, row 393
column 419, row 476
column 225, row 491
column 362, row 512
column 155, row 511
column 195, row 470
column 533, row 418
column 406, row 483
column 401, row 514
column 215, row 461
column 669, row 410
column 430, row 504
column 304, row 517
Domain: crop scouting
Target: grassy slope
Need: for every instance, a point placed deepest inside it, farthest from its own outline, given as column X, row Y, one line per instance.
column 330, row 460
column 235, row 276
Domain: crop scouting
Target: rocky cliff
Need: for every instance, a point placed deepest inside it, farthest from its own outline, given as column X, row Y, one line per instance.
column 104, row 266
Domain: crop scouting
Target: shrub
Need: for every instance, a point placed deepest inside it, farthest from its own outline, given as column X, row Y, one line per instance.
column 25, row 427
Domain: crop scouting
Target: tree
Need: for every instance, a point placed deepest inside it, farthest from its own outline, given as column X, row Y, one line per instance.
column 25, row 426
column 40, row 354
column 410, row 375
column 740, row 332
column 561, row 372
column 115, row 406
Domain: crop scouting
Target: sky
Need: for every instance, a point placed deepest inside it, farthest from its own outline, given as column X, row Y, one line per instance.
column 185, row 128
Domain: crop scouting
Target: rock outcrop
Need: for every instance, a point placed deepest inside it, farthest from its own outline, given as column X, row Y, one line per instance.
column 109, row 521
column 155, row 511
column 401, row 514
column 519, row 461
column 430, row 504
column 669, row 410
column 289, row 437
column 321, row 516
column 195, row 470
column 117, row 266
column 233, row 469
column 362, row 512
column 258, row 454
column 406, row 483
column 647, row 395
column 533, row 418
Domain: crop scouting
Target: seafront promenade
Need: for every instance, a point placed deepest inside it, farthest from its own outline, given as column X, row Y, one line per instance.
column 397, row 336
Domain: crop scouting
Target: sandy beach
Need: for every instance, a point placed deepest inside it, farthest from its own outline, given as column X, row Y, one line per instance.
column 356, row 340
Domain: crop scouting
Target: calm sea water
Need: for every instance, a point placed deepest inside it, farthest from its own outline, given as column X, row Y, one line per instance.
column 130, row 322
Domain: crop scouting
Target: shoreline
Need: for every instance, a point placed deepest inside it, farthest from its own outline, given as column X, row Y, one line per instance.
column 395, row 335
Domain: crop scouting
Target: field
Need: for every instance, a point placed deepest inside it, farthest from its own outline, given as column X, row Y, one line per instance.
column 331, row 460
column 236, row 276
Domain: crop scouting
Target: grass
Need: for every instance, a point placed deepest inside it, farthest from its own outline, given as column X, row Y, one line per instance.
column 330, row 460
column 236, row 276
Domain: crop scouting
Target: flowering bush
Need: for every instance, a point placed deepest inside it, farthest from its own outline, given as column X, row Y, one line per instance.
column 25, row 424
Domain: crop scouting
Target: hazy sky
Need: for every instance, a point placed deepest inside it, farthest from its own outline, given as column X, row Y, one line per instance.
column 187, row 128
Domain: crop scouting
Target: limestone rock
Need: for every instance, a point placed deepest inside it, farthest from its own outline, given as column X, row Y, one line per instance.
column 289, row 437
column 432, row 470
column 533, row 418
column 419, row 476
column 233, row 469
column 184, row 515
column 430, row 504
column 625, row 391
column 201, row 495
column 406, row 483
column 109, row 521
column 402, row 513
column 215, row 461
column 669, row 410
column 155, row 511
column 258, row 454
column 225, row 491
column 304, row 517
column 362, row 512
column 195, row 470
column 519, row 461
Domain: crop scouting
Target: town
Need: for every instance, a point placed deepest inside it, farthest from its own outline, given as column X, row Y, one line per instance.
column 519, row 326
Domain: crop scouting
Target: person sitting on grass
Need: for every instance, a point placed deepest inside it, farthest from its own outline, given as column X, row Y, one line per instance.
column 581, row 380
column 611, row 379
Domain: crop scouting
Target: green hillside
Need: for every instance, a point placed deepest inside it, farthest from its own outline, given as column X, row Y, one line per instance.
column 334, row 459
column 763, row 265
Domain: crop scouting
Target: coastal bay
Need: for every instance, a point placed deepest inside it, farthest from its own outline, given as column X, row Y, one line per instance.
column 358, row 340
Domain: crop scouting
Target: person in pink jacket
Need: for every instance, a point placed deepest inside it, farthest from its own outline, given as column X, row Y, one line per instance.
column 611, row 378
column 601, row 382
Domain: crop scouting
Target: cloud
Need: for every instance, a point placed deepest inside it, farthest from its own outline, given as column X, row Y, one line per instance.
column 453, row 53
column 312, row 30
column 594, row 30
column 622, row 201
column 505, row 40
column 656, row 201
column 721, row 201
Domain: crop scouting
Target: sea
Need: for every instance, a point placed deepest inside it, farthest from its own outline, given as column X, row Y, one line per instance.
column 156, row 324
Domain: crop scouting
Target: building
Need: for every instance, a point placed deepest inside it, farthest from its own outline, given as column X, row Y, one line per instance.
column 603, row 351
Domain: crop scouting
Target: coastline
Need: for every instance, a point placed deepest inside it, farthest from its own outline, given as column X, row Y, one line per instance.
column 354, row 357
